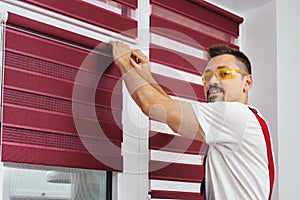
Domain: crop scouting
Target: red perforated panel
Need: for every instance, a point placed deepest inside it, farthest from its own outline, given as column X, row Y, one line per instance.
column 62, row 103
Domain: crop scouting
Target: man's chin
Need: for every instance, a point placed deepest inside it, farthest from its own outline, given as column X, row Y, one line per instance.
column 216, row 98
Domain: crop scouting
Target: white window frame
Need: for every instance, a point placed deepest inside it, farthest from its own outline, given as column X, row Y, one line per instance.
column 132, row 183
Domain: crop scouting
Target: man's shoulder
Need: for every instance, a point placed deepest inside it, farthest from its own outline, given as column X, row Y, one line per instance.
column 221, row 107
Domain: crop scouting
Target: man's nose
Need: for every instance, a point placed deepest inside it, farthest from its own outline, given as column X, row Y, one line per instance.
column 213, row 80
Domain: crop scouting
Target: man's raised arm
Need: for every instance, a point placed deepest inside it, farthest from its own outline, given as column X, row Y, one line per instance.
column 150, row 97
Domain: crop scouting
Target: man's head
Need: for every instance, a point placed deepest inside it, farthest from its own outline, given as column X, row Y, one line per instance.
column 227, row 76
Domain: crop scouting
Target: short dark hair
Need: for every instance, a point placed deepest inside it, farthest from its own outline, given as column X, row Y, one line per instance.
column 217, row 50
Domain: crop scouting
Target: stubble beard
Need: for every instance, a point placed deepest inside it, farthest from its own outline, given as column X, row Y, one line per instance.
column 216, row 98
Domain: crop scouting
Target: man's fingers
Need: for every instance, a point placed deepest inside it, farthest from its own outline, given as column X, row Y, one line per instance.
column 123, row 54
column 112, row 42
column 139, row 54
column 134, row 63
column 119, row 49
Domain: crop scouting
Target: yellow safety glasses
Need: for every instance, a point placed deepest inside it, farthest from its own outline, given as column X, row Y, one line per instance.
column 221, row 73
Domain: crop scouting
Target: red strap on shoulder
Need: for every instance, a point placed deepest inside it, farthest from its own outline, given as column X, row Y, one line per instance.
column 269, row 149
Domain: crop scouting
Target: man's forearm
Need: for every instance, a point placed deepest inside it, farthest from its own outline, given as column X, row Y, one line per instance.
column 145, row 72
column 155, row 85
column 144, row 92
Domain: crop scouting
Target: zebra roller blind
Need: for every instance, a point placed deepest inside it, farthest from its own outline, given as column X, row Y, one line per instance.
column 181, row 33
column 62, row 98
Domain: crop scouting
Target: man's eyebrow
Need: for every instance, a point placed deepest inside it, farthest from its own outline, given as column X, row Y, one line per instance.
column 221, row 66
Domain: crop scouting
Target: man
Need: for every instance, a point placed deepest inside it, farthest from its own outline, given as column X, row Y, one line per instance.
column 239, row 164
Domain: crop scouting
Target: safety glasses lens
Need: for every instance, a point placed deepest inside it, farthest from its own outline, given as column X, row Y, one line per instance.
column 220, row 73
column 225, row 73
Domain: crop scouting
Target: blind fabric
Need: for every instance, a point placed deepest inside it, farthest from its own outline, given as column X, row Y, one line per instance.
column 177, row 60
column 130, row 3
column 197, row 38
column 204, row 12
column 62, row 101
column 91, row 14
column 181, row 33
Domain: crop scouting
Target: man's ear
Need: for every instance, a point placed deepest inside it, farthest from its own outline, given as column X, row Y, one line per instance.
column 247, row 82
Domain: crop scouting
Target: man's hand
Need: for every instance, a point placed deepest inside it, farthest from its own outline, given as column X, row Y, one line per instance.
column 134, row 64
column 142, row 67
column 122, row 56
column 141, row 64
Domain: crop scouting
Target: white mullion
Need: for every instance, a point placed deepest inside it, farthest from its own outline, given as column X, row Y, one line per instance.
column 133, row 182
column 144, row 12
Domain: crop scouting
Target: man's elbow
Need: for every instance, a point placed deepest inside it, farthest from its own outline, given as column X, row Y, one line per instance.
column 145, row 107
column 155, row 108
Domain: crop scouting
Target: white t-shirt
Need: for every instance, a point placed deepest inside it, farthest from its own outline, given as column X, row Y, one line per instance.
column 237, row 162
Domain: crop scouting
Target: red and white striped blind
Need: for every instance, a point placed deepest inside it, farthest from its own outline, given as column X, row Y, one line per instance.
column 60, row 89
column 92, row 14
column 181, row 33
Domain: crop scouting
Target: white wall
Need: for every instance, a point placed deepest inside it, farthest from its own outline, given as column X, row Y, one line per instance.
column 270, row 36
column 288, row 69
column 258, row 41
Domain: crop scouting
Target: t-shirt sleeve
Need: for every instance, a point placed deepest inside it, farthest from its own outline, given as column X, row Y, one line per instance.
column 222, row 122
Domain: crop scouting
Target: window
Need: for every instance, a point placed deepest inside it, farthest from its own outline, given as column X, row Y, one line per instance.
column 61, row 90
column 34, row 182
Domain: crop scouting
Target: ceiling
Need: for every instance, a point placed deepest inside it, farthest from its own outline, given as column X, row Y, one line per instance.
column 239, row 6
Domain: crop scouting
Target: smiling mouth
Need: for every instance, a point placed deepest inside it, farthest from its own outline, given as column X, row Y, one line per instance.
column 214, row 91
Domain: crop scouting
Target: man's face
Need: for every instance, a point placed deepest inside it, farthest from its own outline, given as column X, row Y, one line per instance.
column 232, row 89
